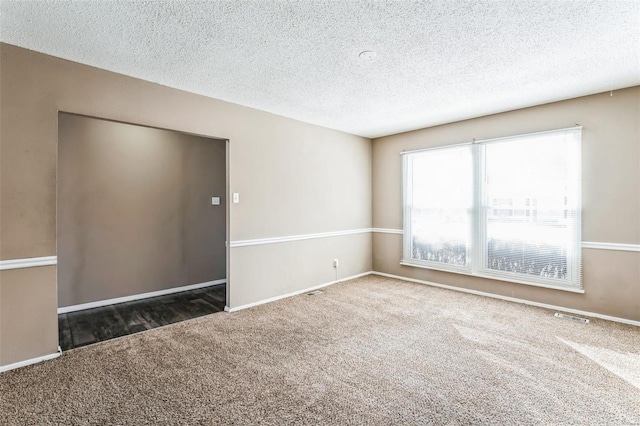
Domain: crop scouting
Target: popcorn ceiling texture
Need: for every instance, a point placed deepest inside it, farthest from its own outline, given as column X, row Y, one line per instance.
column 437, row 61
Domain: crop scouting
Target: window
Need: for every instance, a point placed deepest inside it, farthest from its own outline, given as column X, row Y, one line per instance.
column 505, row 208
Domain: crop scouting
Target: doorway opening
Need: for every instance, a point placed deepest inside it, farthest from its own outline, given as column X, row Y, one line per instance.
column 142, row 218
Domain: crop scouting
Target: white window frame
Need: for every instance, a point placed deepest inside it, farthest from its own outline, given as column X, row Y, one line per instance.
column 476, row 251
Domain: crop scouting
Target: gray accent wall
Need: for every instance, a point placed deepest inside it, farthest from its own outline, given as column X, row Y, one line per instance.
column 134, row 211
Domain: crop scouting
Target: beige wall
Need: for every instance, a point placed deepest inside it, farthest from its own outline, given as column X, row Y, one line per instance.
column 611, row 197
column 134, row 211
column 26, row 295
column 270, row 262
column 293, row 178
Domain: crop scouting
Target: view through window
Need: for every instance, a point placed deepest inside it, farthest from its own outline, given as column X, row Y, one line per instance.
column 506, row 208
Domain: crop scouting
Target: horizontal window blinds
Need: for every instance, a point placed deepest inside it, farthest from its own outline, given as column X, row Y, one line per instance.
column 507, row 208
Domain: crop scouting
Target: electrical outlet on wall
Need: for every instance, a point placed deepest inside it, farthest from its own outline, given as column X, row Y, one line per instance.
column 335, row 263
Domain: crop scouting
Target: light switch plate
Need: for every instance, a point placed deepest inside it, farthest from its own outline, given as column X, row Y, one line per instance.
column 236, row 197
column 215, row 201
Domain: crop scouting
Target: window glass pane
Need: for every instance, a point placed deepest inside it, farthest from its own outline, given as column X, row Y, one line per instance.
column 440, row 205
column 529, row 209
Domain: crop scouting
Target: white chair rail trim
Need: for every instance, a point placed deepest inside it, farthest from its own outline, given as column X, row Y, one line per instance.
column 30, row 262
column 610, row 246
column 33, row 262
column 274, row 240
column 585, row 244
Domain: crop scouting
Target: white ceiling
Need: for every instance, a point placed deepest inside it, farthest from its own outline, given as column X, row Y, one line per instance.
column 437, row 61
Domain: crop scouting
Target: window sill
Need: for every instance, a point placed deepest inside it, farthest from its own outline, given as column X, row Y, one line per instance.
column 491, row 277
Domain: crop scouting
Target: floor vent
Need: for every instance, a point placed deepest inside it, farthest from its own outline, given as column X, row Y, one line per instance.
column 315, row 293
column 571, row 317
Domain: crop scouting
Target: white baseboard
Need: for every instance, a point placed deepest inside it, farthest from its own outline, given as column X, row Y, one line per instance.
column 295, row 293
column 513, row 299
column 15, row 365
column 100, row 303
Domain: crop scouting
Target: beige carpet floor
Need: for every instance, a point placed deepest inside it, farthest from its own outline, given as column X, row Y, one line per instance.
column 369, row 351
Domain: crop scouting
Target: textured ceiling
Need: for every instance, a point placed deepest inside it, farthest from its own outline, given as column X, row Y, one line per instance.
column 437, row 61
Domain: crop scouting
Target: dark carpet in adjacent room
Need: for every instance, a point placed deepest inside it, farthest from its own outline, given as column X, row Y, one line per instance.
column 85, row 327
column 369, row 351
